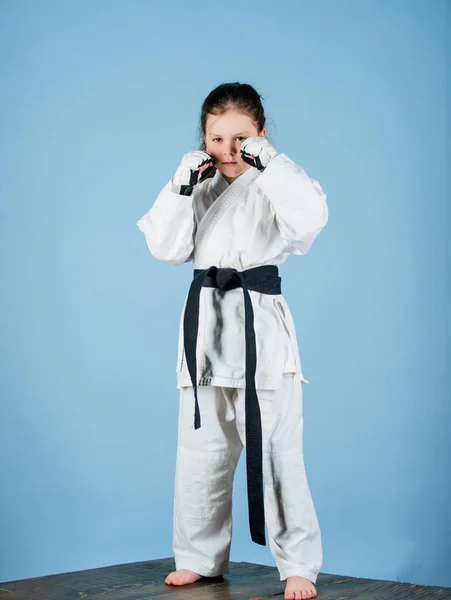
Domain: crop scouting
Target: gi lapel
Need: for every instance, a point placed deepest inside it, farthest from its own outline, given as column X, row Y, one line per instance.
column 228, row 194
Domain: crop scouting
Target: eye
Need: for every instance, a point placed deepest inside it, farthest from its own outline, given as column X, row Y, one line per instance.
column 215, row 139
column 241, row 137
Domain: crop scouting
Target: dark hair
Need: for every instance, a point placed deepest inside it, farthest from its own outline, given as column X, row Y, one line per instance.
column 240, row 96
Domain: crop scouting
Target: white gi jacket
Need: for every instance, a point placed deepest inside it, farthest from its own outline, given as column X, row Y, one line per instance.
column 258, row 219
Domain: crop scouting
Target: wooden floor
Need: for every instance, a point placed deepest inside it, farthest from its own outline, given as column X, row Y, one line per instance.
column 246, row 581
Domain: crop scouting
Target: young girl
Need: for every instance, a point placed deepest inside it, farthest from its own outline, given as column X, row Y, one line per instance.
column 237, row 208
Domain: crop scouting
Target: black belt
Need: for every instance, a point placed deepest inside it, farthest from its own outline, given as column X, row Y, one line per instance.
column 266, row 280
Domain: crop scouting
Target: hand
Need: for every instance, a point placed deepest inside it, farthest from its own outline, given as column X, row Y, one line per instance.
column 195, row 166
column 257, row 152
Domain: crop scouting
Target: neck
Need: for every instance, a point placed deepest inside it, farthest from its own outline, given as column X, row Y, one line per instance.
column 229, row 179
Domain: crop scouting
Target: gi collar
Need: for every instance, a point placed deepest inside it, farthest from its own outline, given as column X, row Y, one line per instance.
column 219, row 184
column 224, row 199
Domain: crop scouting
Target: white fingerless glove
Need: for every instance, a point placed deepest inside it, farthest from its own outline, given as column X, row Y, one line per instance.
column 257, row 152
column 194, row 167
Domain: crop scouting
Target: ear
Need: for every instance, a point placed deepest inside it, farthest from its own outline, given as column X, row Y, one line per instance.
column 262, row 132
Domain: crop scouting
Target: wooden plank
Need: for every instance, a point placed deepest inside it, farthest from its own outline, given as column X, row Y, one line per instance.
column 145, row 581
column 246, row 581
column 368, row 589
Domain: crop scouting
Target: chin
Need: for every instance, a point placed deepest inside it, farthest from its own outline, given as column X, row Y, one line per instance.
column 235, row 172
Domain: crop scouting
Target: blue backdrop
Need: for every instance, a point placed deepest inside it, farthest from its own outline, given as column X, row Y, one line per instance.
column 99, row 102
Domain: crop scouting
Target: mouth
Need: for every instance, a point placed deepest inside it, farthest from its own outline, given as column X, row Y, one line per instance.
column 229, row 164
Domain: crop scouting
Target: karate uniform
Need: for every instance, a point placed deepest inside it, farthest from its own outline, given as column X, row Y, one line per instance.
column 257, row 220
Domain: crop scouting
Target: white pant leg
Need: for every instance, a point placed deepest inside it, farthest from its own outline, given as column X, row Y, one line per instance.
column 293, row 529
column 206, row 463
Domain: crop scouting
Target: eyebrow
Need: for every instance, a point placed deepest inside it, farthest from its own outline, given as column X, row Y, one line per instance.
column 219, row 135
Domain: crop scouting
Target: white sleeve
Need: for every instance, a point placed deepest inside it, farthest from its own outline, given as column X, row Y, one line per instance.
column 299, row 202
column 169, row 227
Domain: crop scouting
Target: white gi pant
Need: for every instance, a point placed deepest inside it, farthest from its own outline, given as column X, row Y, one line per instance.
column 206, row 462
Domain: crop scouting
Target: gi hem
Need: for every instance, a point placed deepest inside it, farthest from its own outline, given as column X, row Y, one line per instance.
column 191, row 566
column 260, row 384
column 299, row 572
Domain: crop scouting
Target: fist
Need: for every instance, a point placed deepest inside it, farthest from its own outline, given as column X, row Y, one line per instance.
column 257, row 152
column 194, row 167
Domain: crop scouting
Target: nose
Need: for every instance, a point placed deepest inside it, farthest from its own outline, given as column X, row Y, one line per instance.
column 229, row 149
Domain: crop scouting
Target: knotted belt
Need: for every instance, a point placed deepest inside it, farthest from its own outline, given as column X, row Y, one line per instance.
column 266, row 280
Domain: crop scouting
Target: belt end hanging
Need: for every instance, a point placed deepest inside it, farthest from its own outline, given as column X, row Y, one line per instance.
column 196, row 411
column 259, row 538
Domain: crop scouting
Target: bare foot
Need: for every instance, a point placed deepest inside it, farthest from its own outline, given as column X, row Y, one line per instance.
column 299, row 588
column 182, row 577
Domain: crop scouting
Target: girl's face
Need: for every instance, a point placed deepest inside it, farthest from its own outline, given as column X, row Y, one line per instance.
column 223, row 137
